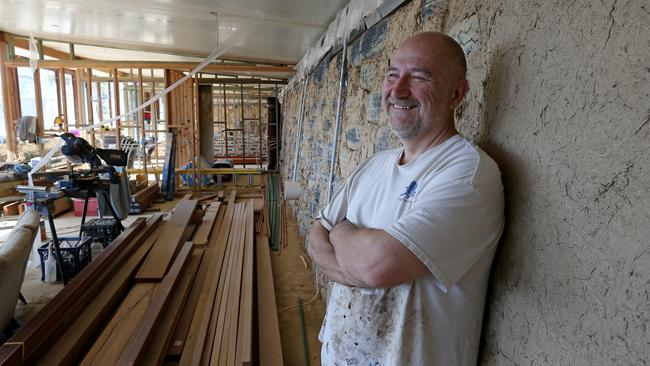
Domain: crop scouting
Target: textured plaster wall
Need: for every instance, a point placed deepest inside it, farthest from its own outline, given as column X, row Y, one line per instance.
column 560, row 98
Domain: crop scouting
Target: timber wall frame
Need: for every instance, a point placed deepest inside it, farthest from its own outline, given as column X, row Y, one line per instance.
column 129, row 83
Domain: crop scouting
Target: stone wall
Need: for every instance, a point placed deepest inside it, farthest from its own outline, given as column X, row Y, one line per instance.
column 560, row 99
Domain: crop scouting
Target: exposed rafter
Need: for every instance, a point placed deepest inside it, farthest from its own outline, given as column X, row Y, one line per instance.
column 216, row 68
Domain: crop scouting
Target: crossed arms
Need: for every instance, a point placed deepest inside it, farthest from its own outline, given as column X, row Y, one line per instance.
column 362, row 257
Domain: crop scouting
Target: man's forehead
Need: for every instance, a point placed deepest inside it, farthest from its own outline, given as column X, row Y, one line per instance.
column 413, row 60
column 409, row 59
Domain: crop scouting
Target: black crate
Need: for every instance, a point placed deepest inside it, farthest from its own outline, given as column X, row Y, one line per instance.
column 103, row 230
column 75, row 253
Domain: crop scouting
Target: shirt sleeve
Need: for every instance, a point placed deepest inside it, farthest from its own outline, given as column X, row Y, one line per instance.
column 336, row 210
column 448, row 230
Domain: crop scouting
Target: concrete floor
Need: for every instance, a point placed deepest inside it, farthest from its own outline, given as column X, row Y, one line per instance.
column 292, row 279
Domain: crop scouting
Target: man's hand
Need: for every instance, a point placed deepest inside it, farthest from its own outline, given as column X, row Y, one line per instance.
column 372, row 257
column 322, row 254
column 362, row 257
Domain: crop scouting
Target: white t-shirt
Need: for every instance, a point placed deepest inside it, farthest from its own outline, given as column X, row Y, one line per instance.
column 446, row 206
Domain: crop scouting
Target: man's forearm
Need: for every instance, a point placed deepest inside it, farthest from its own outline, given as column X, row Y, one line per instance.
column 372, row 257
column 323, row 255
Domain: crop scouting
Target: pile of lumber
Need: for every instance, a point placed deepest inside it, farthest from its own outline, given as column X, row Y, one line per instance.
column 11, row 206
column 144, row 198
column 194, row 289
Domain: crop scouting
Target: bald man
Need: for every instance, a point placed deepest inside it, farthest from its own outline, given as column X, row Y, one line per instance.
column 409, row 239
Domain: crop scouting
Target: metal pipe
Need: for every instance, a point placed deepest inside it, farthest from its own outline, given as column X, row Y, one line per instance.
column 330, row 181
column 299, row 132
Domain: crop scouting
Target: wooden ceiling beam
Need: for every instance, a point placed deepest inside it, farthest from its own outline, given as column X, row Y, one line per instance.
column 94, row 64
column 48, row 51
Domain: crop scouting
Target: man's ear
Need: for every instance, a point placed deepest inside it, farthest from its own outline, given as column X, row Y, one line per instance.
column 460, row 90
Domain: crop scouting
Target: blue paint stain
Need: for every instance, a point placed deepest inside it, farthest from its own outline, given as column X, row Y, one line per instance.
column 373, row 107
column 430, row 7
column 320, row 71
column 351, row 135
column 327, row 125
column 370, row 43
column 383, row 141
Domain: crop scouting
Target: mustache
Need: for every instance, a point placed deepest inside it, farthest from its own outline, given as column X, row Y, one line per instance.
column 402, row 101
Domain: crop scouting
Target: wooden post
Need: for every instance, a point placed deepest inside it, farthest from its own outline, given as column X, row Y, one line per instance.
column 225, row 118
column 259, row 124
column 64, row 100
column 79, row 100
column 12, row 146
column 59, row 99
column 100, row 109
column 195, row 125
column 154, row 122
column 168, row 101
column 243, row 124
column 39, row 110
column 141, row 122
column 110, row 104
column 89, row 101
column 116, row 91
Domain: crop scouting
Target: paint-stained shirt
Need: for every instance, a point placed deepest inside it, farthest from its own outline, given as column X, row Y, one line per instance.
column 446, row 206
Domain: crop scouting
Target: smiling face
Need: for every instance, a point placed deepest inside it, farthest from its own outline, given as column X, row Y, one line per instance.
column 423, row 86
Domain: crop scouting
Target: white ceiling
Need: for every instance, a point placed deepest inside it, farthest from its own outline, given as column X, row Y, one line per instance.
column 179, row 27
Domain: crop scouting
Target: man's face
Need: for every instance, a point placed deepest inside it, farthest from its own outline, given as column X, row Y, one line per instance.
column 416, row 91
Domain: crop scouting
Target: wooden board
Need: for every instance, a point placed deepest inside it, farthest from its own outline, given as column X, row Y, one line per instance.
column 270, row 348
column 135, row 350
column 155, row 354
column 11, row 209
column 72, row 344
column 158, row 261
column 218, row 320
column 10, row 355
column 180, row 334
column 224, row 353
column 62, row 310
column 203, row 232
column 116, row 335
column 244, row 353
column 201, row 320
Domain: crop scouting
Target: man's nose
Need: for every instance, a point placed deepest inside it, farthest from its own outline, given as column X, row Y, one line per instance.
column 401, row 87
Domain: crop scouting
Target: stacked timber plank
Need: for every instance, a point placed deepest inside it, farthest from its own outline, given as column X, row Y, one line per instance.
column 189, row 290
column 144, row 198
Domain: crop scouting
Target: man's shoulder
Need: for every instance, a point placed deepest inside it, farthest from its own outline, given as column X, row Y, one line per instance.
column 462, row 158
column 382, row 157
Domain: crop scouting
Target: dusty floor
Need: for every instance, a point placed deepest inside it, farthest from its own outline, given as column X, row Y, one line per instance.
column 291, row 278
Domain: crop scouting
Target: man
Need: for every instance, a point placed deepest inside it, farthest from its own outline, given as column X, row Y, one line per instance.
column 409, row 239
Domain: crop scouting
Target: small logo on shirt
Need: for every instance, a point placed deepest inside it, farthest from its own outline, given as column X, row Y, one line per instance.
column 410, row 191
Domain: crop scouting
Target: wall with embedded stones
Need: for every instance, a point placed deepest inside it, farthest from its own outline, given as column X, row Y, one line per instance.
column 559, row 98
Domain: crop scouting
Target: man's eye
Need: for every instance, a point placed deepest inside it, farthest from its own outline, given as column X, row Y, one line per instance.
column 391, row 76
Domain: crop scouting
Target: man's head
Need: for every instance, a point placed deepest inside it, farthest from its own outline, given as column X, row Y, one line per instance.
column 424, row 84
